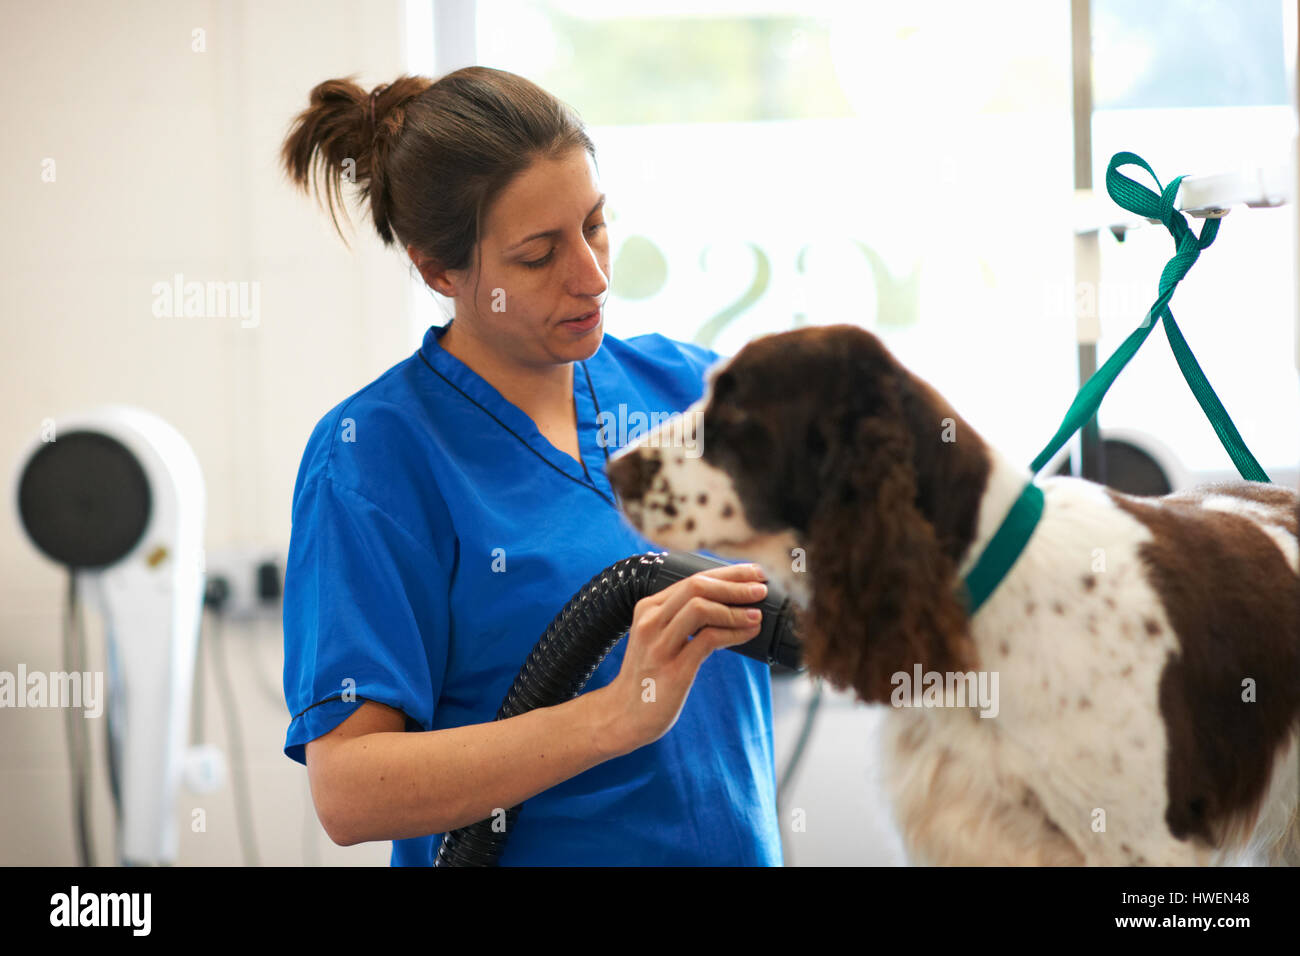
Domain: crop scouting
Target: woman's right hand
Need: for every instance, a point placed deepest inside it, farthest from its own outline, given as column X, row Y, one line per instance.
column 661, row 659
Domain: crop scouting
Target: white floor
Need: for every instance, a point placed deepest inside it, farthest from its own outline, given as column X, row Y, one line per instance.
column 835, row 813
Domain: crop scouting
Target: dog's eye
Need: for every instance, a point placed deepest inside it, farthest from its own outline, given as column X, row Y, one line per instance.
column 723, row 387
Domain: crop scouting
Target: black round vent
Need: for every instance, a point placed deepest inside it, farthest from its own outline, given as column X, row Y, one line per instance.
column 84, row 500
column 1129, row 469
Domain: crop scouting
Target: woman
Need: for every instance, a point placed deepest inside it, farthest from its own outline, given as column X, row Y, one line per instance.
column 445, row 513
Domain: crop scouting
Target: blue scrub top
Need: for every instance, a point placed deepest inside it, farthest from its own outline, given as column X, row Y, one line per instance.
column 437, row 532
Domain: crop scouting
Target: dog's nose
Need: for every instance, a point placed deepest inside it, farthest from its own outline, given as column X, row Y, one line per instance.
column 630, row 474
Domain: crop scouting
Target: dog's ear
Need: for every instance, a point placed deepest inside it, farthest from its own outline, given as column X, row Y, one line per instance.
column 883, row 594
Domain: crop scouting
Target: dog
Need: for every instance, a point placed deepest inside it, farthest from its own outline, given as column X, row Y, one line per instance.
column 1146, row 650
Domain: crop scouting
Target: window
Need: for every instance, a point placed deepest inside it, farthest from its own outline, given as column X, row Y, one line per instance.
column 908, row 168
column 1197, row 88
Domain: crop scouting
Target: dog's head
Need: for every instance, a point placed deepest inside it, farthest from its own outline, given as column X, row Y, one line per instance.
column 851, row 481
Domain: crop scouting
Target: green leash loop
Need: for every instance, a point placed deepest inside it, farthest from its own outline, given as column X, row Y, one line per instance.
column 1139, row 199
column 1018, row 525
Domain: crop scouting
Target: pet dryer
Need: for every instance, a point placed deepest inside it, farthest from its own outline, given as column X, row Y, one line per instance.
column 117, row 497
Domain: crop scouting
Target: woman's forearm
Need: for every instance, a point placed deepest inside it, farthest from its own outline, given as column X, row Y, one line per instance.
column 393, row 785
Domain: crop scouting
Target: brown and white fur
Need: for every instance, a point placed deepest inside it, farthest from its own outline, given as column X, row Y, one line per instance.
column 1126, row 638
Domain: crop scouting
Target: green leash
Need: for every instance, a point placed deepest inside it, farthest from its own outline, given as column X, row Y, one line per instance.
column 1017, row 527
column 1139, row 199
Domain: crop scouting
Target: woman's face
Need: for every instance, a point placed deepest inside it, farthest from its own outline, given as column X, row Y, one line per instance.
column 544, row 256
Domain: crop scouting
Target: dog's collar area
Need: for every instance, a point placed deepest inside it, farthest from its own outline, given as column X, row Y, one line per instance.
column 1004, row 548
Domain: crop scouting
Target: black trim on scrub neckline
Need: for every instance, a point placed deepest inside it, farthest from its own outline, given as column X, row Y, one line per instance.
column 604, row 447
column 590, row 487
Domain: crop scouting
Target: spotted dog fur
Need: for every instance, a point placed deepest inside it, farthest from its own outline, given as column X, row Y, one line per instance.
column 1124, row 637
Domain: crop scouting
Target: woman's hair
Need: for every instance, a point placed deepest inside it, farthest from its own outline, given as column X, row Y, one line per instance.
column 435, row 155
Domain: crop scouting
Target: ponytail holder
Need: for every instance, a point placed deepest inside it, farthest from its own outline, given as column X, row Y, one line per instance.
column 374, row 95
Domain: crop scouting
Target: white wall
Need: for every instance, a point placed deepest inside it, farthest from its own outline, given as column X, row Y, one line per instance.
column 165, row 162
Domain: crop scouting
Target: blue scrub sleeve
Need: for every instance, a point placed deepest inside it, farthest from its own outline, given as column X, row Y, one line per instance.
column 365, row 615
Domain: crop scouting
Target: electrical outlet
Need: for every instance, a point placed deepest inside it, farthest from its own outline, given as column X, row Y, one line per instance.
column 255, row 576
